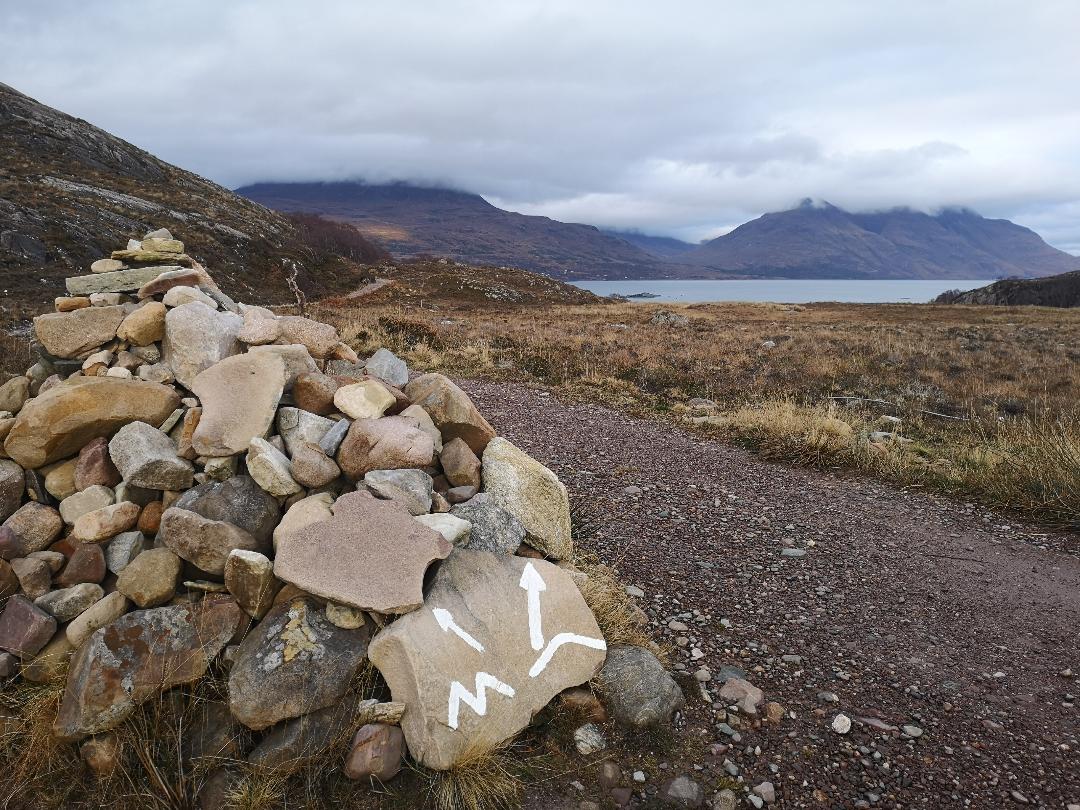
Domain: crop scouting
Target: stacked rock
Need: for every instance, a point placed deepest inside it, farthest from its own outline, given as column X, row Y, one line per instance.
column 188, row 482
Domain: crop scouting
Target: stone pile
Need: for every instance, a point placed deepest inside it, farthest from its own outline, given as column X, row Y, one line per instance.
column 191, row 485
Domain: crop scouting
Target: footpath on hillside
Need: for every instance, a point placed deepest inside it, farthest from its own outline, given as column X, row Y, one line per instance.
column 924, row 650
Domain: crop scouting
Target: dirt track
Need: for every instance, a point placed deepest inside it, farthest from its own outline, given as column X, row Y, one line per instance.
column 910, row 609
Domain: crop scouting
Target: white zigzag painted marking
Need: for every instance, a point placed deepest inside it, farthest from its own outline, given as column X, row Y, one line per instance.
column 477, row 702
column 560, row 640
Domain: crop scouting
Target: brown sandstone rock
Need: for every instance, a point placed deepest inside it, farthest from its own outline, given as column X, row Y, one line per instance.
column 34, row 576
column 72, row 334
column 314, row 392
column 87, row 564
column 102, row 754
column 62, row 420
column 390, row 443
column 249, row 577
column 129, row 661
column 311, row 467
column 451, row 410
column 35, row 526
column 14, row 393
column 144, row 326
column 150, row 518
column 338, row 559
column 319, row 338
column 239, row 398
column 460, row 464
column 149, row 580
column 496, row 639
column 376, row 752
column 104, row 524
column 204, row 543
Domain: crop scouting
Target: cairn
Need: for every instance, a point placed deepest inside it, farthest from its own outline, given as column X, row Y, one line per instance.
column 189, row 485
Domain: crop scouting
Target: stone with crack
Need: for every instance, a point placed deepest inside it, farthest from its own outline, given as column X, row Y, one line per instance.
column 135, row 657
column 294, row 662
column 371, row 555
column 497, row 638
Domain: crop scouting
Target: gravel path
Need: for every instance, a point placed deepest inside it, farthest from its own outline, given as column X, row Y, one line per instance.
column 949, row 626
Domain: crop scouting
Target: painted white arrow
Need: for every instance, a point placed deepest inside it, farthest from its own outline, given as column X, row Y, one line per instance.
column 478, row 701
column 533, row 584
column 447, row 623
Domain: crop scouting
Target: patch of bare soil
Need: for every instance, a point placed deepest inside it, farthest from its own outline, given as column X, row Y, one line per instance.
column 947, row 633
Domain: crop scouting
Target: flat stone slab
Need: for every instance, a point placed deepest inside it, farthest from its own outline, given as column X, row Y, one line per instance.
column 370, row 555
column 121, row 281
column 497, row 638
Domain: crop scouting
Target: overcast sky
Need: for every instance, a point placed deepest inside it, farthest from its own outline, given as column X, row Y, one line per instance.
column 681, row 118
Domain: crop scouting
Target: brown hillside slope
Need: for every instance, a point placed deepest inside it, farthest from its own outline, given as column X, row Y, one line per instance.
column 70, row 192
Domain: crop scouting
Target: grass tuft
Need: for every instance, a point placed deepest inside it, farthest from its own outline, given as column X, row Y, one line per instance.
column 485, row 779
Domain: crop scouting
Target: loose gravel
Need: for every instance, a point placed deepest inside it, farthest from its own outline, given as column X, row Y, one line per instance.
column 945, row 632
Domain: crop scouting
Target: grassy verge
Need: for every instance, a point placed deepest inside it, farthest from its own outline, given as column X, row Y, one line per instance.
column 988, row 398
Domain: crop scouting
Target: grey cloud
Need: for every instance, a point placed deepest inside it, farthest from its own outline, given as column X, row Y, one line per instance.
column 685, row 119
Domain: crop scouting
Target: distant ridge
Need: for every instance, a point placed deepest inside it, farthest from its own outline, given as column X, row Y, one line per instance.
column 809, row 241
column 414, row 220
column 823, row 241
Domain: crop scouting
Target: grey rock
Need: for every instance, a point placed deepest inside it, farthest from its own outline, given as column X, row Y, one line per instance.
column 12, row 484
column 332, row 439
column 494, row 527
column 122, row 549
column 411, row 488
column 639, row 692
column 296, row 426
column 385, row 365
column 290, row 746
column 67, row 603
column 683, row 792
column 117, row 281
column 146, row 457
column 294, row 662
column 239, row 501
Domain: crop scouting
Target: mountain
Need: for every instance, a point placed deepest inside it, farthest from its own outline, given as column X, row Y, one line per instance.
column 70, row 192
column 662, row 247
column 823, row 241
column 416, row 220
column 1053, row 291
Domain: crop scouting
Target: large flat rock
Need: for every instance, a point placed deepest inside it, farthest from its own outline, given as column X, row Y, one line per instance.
column 121, row 281
column 76, row 334
column 371, row 555
column 140, row 654
column 497, row 638
column 239, row 397
column 57, row 423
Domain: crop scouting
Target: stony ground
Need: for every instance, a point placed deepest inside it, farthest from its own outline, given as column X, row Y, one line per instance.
column 947, row 633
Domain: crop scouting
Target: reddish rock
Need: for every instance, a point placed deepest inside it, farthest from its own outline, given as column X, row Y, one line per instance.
column 25, row 629
column 129, row 661
column 34, row 526
column 377, row 751
column 87, row 564
column 371, row 555
column 314, row 392
column 102, row 754
column 150, row 518
column 390, row 443
column 9, row 583
column 95, row 466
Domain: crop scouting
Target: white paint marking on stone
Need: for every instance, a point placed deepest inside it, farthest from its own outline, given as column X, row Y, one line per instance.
column 534, row 584
column 560, row 640
column 447, row 623
column 477, row 702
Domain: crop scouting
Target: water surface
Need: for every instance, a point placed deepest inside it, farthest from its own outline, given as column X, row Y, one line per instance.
column 787, row 291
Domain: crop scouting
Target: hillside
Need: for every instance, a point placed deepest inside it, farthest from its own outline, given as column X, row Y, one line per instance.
column 69, row 192
column 413, row 220
column 1055, row 291
column 662, row 247
column 824, row 241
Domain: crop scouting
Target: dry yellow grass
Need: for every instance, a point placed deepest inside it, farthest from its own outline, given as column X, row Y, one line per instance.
column 1010, row 377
